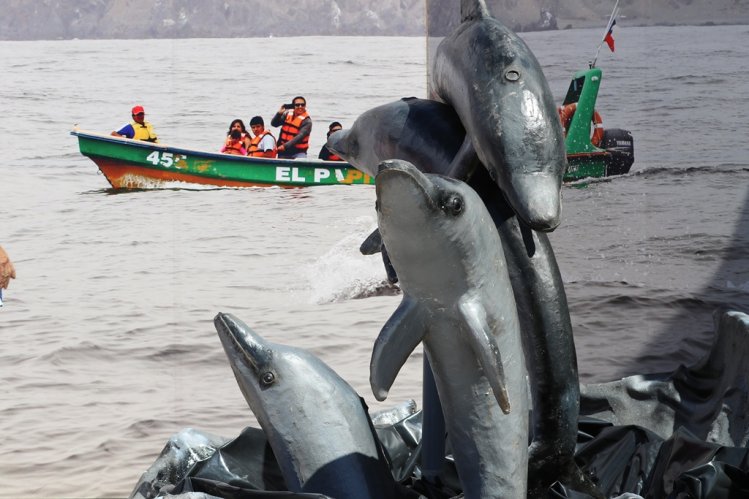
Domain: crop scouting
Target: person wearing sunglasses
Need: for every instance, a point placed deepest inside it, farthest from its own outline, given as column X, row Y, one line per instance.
column 296, row 126
column 139, row 128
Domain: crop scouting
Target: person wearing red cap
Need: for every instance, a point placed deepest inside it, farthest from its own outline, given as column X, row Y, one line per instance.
column 139, row 128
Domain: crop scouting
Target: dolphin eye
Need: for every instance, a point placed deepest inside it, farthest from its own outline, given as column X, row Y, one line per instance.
column 512, row 75
column 452, row 205
column 267, row 378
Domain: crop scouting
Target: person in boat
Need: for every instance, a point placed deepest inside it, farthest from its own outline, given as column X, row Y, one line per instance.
column 237, row 139
column 296, row 126
column 238, row 124
column 262, row 144
column 567, row 111
column 7, row 271
column 234, row 144
column 325, row 153
column 139, row 128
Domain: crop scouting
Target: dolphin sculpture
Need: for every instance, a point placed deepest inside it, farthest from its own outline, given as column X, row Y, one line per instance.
column 315, row 422
column 457, row 300
column 430, row 135
column 496, row 86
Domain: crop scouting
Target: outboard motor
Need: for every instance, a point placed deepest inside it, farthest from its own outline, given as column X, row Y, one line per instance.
column 621, row 145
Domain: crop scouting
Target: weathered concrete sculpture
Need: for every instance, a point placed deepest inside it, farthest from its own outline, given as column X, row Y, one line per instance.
column 315, row 422
column 457, row 300
column 429, row 135
column 496, row 86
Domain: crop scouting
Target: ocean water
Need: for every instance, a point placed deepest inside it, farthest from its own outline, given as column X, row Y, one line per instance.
column 107, row 346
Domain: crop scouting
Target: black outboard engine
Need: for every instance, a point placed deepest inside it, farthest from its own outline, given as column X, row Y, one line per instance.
column 620, row 144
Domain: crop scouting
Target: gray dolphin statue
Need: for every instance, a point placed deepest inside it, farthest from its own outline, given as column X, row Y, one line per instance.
column 430, row 135
column 457, row 300
column 315, row 422
column 496, row 86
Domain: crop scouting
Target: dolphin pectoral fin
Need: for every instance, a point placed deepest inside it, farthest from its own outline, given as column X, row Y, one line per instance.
column 465, row 161
column 485, row 347
column 397, row 339
column 372, row 243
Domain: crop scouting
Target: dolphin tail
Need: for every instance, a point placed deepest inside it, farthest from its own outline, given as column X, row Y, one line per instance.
column 485, row 347
column 472, row 9
column 398, row 338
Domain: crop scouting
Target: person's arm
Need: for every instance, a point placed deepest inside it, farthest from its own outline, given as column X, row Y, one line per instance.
column 304, row 130
column 324, row 153
column 278, row 118
column 268, row 143
column 7, row 271
column 126, row 131
column 268, row 146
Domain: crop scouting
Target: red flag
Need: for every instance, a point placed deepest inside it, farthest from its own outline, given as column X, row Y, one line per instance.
column 609, row 39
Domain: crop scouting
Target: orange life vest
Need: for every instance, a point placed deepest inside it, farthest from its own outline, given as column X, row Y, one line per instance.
column 233, row 146
column 290, row 129
column 566, row 113
column 597, row 137
column 333, row 156
column 253, row 150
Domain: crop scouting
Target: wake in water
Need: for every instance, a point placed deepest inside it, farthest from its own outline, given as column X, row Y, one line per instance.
column 343, row 273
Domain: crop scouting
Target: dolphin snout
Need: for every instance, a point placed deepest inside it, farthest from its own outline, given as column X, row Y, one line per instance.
column 536, row 198
column 224, row 322
column 242, row 341
column 337, row 143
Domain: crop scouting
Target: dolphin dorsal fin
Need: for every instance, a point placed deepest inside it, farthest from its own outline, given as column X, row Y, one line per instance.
column 485, row 347
column 472, row 9
column 403, row 331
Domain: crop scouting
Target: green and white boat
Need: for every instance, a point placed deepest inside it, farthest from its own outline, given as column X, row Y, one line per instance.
column 605, row 152
column 135, row 164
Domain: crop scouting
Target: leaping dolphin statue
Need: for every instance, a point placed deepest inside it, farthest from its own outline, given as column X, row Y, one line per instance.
column 315, row 422
column 430, row 135
column 496, row 86
column 457, row 300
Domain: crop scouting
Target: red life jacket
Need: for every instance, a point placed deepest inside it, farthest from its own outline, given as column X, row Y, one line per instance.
column 290, row 129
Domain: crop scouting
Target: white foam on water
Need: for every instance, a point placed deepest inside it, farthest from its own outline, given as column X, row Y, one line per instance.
column 343, row 273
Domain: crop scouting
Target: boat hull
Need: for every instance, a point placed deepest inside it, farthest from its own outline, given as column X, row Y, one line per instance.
column 132, row 164
column 603, row 163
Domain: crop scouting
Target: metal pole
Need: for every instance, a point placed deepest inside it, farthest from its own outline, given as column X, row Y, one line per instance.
column 614, row 13
column 432, row 429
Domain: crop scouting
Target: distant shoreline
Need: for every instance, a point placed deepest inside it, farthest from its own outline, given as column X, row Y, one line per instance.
column 562, row 23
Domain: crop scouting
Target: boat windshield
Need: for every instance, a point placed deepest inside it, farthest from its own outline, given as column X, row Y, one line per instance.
column 573, row 93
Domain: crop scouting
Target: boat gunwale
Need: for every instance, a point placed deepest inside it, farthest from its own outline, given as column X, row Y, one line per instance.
column 208, row 154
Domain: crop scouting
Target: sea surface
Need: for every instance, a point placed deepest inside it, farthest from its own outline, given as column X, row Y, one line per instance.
column 107, row 346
